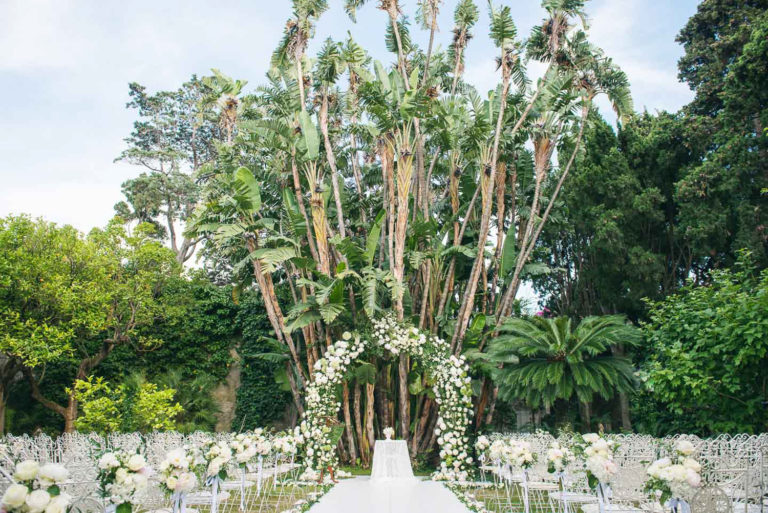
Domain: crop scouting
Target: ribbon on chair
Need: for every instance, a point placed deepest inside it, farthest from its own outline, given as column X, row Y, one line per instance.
column 602, row 497
column 213, row 482
column 678, row 505
column 242, row 489
column 179, row 503
column 563, row 496
column 110, row 508
column 526, row 498
column 259, row 474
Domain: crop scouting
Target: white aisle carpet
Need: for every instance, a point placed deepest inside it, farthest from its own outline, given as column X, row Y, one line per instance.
column 359, row 495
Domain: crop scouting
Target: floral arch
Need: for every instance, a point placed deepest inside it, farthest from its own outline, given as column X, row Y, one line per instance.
column 452, row 389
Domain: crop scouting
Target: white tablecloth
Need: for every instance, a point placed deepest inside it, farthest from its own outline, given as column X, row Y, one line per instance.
column 391, row 461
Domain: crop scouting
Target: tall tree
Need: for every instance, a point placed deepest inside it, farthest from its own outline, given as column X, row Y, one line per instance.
column 72, row 300
column 172, row 138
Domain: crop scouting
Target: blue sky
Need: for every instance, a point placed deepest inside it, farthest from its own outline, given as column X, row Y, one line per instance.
column 65, row 66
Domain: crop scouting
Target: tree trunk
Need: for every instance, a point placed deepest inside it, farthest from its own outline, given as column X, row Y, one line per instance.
column 586, row 416
column 369, row 415
column 482, row 403
column 331, row 158
column 70, row 415
column 348, row 424
column 358, row 414
column 404, row 397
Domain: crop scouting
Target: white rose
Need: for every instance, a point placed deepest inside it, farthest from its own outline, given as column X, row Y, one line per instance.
column 685, row 447
column 693, row 478
column 108, row 460
column 186, row 482
column 140, row 481
column 51, row 473
column 26, row 470
column 121, row 475
column 37, row 501
column 170, row 483
column 58, row 504
column 136, row 462
column 591, row 438
column 15, row 496
column 692, row 464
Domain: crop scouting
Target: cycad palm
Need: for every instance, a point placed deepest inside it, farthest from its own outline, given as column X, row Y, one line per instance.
column 548, row 359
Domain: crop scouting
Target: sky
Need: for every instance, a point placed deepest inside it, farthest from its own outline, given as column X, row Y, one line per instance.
column 65, row 66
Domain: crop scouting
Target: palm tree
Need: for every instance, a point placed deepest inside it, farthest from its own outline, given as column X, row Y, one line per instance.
column 545, row 359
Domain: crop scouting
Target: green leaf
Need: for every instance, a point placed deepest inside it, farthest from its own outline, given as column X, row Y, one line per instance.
column 250, row 187
column 310, row 135
column 303, row 320
column 329, row 311
column 124, row 508
column 508, row 256
column 366, row 373
column 373, row 238
column 383, row 76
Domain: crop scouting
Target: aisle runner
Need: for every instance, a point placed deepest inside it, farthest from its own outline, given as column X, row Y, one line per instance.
column 359, row 495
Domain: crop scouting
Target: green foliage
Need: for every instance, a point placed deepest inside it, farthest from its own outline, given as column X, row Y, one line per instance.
column 547, row 359
column 106, row 409
column 55, row 287
column 708, row 363
column 262, row 397
column 100, row 404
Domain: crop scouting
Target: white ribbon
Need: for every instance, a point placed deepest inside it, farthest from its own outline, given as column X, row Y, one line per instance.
column 526, row 500
column 678, row 505
column 213, row 482
column 242, row 489
column 260, row 474
column 179, row 502
column 602, row 496
column 111, row 508
column 563, row 495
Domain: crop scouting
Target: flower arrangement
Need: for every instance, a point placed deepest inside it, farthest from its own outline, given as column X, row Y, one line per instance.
column 674, row 477
column 453, row 394
column 176, row 476
column 388, row 433
column 216, row 456
column 497, row 450
column 121, row 476
column 287, row 443
column 468, row 499
column 558, row 457
column 314, row 430
column 245, row 447
column 36, row 489
column 597, row 454
column 481, row 447
column 517, row 453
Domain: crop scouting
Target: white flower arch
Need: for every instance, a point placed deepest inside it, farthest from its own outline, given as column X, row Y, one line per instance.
column 452, row 389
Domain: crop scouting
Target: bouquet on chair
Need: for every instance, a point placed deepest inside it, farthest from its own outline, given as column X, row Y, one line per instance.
column 673, row 479
column 388, row 433
column 558, row 458
column 597, row 453
column 518, row 454
column 35, row 489
column 176, row 476
column 122, row 475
